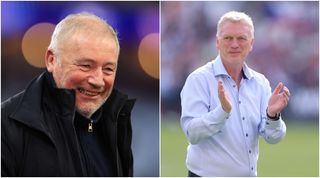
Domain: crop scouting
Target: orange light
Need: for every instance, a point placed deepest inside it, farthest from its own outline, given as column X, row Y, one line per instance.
column 35, row 43
column 148, row 54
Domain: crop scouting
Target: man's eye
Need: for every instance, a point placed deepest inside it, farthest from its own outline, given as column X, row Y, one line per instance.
column 85, row 66
column 108, row 70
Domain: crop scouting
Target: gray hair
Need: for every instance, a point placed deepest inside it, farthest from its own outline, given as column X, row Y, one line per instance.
column 236, row 17
column 77, row 22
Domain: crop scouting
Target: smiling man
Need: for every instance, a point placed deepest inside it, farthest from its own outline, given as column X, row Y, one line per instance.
column 226, row 106
column 70, row 121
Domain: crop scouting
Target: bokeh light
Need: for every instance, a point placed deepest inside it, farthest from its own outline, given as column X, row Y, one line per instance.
column 35, row 42
column 148, row 54
column 147, row 17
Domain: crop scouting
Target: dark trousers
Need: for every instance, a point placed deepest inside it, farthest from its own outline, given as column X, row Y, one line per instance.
column 191, row 174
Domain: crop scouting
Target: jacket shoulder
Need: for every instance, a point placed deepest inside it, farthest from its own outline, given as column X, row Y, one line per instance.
column 8, row 107
column 10, row 136
column 11, row 104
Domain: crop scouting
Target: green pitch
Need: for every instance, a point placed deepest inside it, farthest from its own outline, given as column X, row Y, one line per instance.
column 296, row 155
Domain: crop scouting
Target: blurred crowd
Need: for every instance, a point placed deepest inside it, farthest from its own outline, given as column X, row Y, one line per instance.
column 286, row 48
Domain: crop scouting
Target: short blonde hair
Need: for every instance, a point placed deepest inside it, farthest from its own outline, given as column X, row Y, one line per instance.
column 79, row 22
column 236, row 17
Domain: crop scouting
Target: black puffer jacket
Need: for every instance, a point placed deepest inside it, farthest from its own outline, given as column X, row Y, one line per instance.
column 38, row 137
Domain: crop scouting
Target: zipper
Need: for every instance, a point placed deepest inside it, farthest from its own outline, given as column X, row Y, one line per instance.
column 90, row 126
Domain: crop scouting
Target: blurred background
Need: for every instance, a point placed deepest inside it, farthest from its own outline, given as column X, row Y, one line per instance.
column 26, row 28
column 286, row 49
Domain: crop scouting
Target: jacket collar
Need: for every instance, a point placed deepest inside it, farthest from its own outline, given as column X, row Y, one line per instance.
column 114, row 104
column 42, row 92
column 60, row 100
column 30, row 108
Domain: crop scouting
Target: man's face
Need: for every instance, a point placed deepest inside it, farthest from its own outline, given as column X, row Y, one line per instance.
column 234, row 42
column 86, row 63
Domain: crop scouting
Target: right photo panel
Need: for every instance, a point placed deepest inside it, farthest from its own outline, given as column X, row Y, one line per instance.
column 239, row 89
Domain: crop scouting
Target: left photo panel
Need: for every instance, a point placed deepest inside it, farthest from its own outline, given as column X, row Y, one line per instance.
column 80, row 89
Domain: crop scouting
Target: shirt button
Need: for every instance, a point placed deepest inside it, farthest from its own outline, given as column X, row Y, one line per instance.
column 251, row 168
column 246, row 134
column 243, row 118
column 250, row 151
column 234, row 86
column 239, row 102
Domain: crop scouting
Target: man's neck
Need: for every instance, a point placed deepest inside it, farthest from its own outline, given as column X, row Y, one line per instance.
column 235, row 71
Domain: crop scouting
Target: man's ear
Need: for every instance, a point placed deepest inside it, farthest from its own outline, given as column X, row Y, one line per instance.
column 217, row 42
column 252, row 42
column 50, row 60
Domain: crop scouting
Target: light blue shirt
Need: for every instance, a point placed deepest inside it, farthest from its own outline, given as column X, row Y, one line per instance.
column 222, row 144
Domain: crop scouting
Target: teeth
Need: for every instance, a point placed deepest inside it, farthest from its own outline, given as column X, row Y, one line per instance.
column 83, row 91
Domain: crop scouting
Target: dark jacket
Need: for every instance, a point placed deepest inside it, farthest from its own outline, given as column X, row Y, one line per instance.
column 38, row 137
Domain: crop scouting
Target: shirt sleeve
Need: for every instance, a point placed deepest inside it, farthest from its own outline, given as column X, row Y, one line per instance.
column 198, row 120
column 273, row 131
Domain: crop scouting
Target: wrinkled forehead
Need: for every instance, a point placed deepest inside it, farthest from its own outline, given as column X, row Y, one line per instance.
column 235, row 27
column 82, row 40
column 84, row 27
column 89, row 38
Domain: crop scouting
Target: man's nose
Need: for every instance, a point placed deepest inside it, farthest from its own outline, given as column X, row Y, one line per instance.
column 234, row 44
column 96, row 78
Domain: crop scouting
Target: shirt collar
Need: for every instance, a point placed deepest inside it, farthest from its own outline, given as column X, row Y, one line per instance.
column 247, row 71
column 219, row 69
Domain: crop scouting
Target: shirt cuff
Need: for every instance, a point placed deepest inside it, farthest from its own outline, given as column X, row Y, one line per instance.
column 273, row 123
column 219, row 113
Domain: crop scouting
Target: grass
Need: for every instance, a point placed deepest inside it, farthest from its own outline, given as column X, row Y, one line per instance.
column 296, row 155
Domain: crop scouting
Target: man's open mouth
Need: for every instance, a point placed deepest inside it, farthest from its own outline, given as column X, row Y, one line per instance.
column 87, row 92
